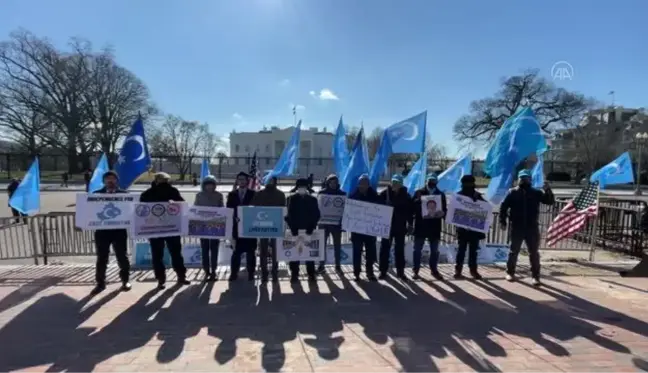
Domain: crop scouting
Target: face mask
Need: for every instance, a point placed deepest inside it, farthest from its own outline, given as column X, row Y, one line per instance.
column 301, row 191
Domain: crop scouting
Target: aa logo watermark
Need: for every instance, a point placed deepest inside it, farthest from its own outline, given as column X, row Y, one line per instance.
column 562, row 70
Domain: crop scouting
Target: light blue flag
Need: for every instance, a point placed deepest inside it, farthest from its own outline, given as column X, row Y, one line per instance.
column 134, row 158
column 340, row 151
column 26, row 198
column 96, row 181
column 499, row 187
column 365, row 148
column 519, row 137
column 357, row 166
column 415, row 179
column 380, row 160
column 537, row 173
column 289, row 157
column 204, row 169
column 619, row 171
column 450, row 180
column 408, row 136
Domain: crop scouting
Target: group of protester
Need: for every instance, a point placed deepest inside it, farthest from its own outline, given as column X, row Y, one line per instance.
column 520, row 208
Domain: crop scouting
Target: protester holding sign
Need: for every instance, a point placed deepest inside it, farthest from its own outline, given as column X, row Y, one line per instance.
column 396, row 195
column 269, row 196
column 364, row 192
column 468, row 239
column 208, row 196
column 332, row 188
column 242, row 196
column 522, row 206
column 428, row 226
column 118, row 238
column 162, row 191
column 303, row 213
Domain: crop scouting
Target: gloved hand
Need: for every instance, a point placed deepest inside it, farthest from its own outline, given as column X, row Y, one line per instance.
column 294, row 232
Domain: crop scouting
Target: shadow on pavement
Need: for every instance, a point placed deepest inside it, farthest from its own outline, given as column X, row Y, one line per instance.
column 418, row 323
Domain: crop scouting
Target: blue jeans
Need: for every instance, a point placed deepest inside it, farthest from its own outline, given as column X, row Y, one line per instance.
column 419, row 242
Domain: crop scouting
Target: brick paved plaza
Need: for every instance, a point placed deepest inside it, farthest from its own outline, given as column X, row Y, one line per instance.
column 584, row 319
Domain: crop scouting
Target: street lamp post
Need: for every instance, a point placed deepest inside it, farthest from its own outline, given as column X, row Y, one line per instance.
column 641, row 139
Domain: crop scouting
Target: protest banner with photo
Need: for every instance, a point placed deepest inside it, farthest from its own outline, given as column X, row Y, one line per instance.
column 331, row 208
column 209, row 222
column 158, row 219
column 261, row 221
column 465, row 213
column 367, row 218
column 104, row 211
column 191, row 253
column 302, row 247
column 431, row 206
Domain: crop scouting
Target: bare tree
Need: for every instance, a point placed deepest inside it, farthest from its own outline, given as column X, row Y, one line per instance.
column 50, row 83
column 179, row 141
column 553, row 107
column 116, row 98
column 22, row 126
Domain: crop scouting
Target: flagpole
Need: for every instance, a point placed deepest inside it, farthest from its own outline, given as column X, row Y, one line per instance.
column 594, row 228
column 295, row 116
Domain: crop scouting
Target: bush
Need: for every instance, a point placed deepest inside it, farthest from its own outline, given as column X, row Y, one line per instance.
column 558, row 176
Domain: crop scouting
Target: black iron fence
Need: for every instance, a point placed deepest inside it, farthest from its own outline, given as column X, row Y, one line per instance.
column 53, row 166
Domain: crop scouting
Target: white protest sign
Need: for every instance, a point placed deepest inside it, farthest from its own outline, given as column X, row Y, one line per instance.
column 99, row 211
column 431, row 206
column 158, row 219
column 331, row 208
column 301, row 247
column 465, row 213
column 209, row 222
column 367, row 218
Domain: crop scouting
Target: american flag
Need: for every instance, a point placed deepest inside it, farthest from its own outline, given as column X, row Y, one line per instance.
column 574, row 216
column 255, row 174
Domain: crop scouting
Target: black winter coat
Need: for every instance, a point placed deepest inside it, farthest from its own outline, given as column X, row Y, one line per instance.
column 164, row 192
column 303, row 213
column 112, row 233
column 403, row 209
column 430, row 227
column 521, row 207
column 234, row 201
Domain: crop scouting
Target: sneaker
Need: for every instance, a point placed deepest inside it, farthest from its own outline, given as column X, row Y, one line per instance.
column 371, row 277
column 476, row 275
column 416, row 277
column 535, row 281
column 126, row 286
column 212, row 277
column 321, row 269
column 232, row 277
column 510, row 278
column 161, row 286
column 402, row 276
column 294, row 279
column 312, row 278
column 458, row 276
column 357, row 277
column 382, row 276
column 183, row 281
column 338, row 268
column 437, row 275
column 98, row 289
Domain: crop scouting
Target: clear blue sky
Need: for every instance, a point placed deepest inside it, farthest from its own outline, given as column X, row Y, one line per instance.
column 241, row 64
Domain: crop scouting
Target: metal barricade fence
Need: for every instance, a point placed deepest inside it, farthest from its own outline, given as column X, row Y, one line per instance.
column 55, row 235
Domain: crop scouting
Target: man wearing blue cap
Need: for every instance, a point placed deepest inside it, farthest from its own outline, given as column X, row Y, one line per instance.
column 521, row 207
column 396, row 196
column 364, row 192
column 428, row 227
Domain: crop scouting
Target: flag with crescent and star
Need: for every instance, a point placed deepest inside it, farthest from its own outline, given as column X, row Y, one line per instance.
column 408, row 136
column 134, row 158
column 619, row 171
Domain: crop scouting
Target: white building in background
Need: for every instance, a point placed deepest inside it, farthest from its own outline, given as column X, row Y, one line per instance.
column 315, row 148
